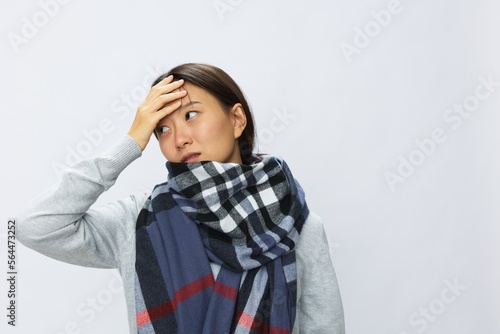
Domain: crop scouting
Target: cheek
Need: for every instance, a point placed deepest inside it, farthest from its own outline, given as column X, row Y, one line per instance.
column 166, row 148
column 218, row 131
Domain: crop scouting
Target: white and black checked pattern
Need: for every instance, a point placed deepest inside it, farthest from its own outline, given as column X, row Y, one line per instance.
column 248, row 213
column 246, row 218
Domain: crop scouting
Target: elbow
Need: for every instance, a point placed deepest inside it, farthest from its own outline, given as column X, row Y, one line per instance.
column 26, row 231
column 23, row 232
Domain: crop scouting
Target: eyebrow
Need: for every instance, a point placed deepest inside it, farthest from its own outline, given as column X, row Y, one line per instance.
column 189, row 104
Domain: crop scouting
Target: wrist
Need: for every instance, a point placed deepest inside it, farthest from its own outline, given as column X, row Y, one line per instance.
column 142, row 142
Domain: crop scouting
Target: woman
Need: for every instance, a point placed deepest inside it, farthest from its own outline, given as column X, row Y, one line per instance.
column 226, row 245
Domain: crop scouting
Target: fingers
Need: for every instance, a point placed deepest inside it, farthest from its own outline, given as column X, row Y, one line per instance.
column 165, row 86
column 165, row 111
column 163, row 93
column 165, row 100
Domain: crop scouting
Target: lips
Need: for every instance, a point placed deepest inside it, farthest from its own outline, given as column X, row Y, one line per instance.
column 190, row 157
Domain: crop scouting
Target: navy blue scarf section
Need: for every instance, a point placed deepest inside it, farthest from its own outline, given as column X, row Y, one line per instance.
column 247, row 218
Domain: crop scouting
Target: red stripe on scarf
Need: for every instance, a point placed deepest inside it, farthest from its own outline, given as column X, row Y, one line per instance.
column 226, row 291
column 180, row 295
column 246, row 320
column 193, row 288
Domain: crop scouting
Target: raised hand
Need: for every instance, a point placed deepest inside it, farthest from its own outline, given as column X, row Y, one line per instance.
column 163, row 99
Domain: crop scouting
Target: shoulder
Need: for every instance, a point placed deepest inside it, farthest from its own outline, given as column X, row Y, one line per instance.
column 313, row 232
column 139, row 199
column 319, row 305
column 312, row 243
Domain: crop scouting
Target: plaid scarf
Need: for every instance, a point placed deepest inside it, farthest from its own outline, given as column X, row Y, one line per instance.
column 247, row 218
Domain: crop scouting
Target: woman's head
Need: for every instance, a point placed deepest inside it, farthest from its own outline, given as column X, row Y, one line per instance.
column 213, row 120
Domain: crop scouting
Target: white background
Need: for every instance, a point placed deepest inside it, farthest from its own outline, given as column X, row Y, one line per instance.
column 352, row 119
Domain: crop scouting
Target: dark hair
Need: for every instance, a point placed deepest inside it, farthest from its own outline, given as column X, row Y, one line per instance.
column 219, row 84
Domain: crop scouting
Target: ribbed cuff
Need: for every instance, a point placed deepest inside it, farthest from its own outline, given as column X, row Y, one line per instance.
column 123, row 153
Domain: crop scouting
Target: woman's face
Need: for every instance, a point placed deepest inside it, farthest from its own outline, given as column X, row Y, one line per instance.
column 201, row 129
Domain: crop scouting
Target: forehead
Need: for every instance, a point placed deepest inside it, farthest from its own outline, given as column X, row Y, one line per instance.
column 195, row 93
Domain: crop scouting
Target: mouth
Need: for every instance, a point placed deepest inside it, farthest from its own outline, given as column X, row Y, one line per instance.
column 190, row 157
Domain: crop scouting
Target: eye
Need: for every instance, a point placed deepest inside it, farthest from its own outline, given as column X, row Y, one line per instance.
column 191, row 114
column 162, row 129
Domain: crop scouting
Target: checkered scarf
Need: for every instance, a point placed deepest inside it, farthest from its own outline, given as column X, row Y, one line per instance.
column 247, row 218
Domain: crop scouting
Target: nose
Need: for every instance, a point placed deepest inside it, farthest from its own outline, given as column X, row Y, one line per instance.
column 182, row 137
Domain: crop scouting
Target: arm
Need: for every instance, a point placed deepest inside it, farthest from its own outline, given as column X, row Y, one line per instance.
column 61, row 224
column 319, row 308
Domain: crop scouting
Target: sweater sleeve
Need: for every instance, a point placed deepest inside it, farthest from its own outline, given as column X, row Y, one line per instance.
column 61, row 224
column 320, row 309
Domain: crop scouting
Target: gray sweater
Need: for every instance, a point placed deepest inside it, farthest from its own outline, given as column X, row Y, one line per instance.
column 63, row 224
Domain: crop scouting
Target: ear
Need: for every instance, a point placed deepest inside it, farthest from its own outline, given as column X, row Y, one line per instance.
column 239, row 119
